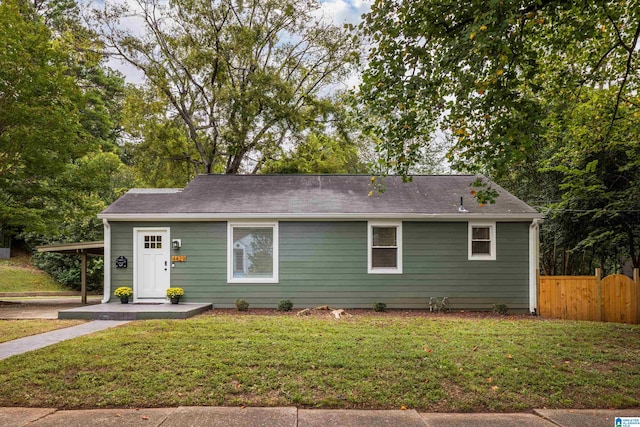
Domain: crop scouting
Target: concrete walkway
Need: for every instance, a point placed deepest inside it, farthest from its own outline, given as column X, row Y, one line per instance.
column 35, row 342
column 40, row 307
column 293, row 417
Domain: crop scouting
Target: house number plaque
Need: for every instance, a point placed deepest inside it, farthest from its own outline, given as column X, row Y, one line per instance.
column 179, row 258
column 121, row 262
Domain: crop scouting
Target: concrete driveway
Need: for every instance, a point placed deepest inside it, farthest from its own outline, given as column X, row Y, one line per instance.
column 40, row 308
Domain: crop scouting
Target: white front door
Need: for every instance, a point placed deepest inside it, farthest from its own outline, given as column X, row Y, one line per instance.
column 152, row 264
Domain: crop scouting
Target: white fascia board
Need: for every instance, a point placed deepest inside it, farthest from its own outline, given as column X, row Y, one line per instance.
column 502, row 217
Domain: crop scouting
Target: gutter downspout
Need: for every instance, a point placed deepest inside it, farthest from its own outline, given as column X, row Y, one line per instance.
column 107, row 261
column 534, row 263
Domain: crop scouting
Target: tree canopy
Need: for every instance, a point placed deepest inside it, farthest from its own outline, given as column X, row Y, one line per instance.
column 241, row 77
column 486, row 72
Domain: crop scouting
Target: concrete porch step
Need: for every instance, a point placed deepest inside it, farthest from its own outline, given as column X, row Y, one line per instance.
column 117, row 311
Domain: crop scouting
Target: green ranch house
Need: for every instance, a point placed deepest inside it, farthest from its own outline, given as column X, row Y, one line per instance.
column 322, row 239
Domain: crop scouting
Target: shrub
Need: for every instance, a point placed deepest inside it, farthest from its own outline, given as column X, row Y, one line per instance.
column 285, row 305
column 242, row 305
column 500, row 309
column 379, row 307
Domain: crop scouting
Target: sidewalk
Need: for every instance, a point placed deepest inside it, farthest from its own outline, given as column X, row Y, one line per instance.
column 35, row 342
column 293, row 417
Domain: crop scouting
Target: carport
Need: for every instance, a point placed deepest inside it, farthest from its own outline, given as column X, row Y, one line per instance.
column 83, row 249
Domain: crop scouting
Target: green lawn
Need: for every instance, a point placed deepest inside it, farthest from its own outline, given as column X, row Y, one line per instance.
column 427, row 363
column 18, row 275
column 13, row 329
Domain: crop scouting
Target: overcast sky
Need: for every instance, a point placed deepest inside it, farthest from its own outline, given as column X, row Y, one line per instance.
column 340, row 11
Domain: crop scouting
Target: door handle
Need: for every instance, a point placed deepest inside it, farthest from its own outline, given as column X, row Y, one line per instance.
column 165, row 266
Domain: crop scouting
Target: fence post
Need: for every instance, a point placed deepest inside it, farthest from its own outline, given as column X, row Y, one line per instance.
column 599, row 291
column 636, row 280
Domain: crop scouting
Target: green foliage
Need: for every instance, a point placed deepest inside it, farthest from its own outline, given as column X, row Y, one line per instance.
column 38, row 103
column 501, row 309
column 242, row 305
column 285, row 305
column 67, row 269
column 59, row 112
column 318, row 154
column 237, row 78
column 485, row 72
column 158, row 149
column 379, row 307
column 595, row 217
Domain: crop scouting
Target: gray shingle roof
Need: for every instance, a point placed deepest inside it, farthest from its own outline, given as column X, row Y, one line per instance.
column 309, row 195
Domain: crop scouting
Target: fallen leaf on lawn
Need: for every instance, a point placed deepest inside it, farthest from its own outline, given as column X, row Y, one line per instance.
column 144, row 417
column 474, row 349
column 489, row 380
column 509, row 356
column 117, row 415
column 242, row 407
column 494, row 388
column 403, row 408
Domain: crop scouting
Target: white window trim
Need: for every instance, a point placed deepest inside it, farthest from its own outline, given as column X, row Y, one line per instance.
column 492, row 246
column 230, row 266
column 384, row 270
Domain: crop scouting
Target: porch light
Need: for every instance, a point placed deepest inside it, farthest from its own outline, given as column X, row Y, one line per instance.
column 176, row 244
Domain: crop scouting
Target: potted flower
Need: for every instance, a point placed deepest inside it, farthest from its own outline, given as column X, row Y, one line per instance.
column 124, row 292
column 174, row 294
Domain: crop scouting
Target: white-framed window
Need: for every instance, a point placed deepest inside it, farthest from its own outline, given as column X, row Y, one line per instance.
column 384, row 247
column 252, row 252
column 482, row 241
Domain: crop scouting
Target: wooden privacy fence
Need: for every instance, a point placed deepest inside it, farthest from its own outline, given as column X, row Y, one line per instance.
column 615, row 298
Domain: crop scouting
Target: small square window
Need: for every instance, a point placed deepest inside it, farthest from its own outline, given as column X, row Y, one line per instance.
column 385, row 248
column 482, row 241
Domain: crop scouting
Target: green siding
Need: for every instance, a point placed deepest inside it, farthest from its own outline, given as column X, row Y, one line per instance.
column 326, row 263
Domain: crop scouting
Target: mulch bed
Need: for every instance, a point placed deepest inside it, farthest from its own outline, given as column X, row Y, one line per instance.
column 359, row 312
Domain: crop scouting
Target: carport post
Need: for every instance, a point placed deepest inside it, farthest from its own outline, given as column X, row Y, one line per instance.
column 83, row 278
